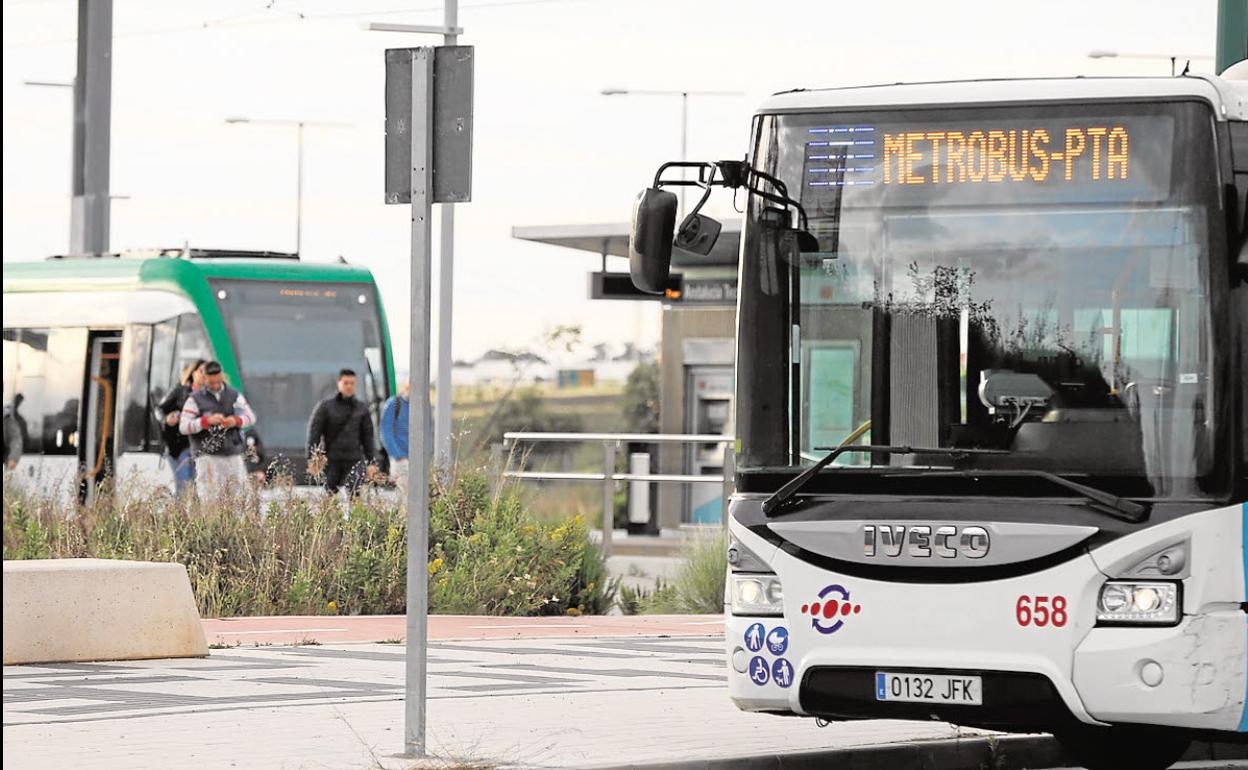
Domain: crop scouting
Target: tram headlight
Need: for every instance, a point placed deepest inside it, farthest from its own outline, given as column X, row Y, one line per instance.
column 756, row 595
column 1132, row 603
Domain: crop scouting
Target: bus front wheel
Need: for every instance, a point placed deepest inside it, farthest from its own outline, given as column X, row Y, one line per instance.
column 1115, row 748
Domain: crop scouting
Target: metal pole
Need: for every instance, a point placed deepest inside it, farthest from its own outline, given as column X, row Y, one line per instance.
column 446, row 293
column 88, row 213
column 299, row 196
column 608, row 496
column 684, row 142
column 418, row 480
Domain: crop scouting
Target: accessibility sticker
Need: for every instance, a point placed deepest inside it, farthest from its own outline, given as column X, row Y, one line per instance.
column 778, row 640
column 754, row 637
column 782, row 672
column 759, row 672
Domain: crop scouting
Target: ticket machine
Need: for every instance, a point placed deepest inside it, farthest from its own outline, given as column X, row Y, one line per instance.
column 708, row 411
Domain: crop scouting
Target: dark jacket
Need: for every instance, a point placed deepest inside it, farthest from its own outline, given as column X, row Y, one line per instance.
column 13, row 438
column 344, row 428
column 175, row 442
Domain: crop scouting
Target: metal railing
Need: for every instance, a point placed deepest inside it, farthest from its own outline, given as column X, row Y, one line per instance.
column 610, row 446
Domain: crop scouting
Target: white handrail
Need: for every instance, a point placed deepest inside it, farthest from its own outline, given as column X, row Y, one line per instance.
column 610, row 443
column 638, row 438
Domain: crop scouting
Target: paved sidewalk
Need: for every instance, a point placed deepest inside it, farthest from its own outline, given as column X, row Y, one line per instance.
column 548, row 703
column 334, row 629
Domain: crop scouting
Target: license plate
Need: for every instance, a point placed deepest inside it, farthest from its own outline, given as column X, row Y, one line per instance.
column 929, row 688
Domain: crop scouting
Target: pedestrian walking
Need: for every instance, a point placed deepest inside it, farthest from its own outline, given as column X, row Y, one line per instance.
column 394, row 423
column 12, row 438
column 341, row 432
column 169, row 412
column 213, row 417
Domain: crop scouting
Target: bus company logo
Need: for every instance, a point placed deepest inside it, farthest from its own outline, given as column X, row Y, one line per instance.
column 829, row 613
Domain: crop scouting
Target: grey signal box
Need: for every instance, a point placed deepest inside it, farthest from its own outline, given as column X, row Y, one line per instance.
column 452, row 124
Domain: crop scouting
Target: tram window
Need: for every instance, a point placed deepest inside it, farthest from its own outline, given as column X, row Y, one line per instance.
column 162, row 374
column 63, row 379
column 27, row 400
column 48, row 369
column 137, row 420
column 191, row 343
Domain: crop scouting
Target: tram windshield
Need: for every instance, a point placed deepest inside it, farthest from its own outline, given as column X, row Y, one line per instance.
column 1033, row 280
column 291, row 339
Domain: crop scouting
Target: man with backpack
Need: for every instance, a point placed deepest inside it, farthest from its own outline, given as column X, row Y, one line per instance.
column 341, row 430
column 169, row 412
column 394, row 422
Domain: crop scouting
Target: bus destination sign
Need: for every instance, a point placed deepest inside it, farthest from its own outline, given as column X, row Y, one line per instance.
column 992, row 161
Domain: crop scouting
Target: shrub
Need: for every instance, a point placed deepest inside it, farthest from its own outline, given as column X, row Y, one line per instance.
column 698, row 587
column 641, row 399
column 311, row 555
column 636, row 601
column 526, row 410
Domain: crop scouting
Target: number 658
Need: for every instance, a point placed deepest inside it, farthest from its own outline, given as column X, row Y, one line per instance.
column 1041, row 611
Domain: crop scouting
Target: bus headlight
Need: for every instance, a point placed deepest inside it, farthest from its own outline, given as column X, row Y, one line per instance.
column 753, row 594
column 1131, row 603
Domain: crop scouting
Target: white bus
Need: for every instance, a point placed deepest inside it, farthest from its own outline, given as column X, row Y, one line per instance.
column 991, row 410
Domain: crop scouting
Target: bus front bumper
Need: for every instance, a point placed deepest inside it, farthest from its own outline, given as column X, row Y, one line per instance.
column 1034, row 676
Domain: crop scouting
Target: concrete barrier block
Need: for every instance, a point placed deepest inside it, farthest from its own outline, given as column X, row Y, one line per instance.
column 58, row 610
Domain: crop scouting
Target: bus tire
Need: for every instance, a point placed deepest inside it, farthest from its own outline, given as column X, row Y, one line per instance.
column 1115, row 748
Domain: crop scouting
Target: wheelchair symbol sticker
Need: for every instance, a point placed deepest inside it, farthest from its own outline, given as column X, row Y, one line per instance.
column 759, row 673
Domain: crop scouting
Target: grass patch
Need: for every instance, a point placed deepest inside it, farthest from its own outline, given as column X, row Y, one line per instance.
column 697, row 589
column 313, row 556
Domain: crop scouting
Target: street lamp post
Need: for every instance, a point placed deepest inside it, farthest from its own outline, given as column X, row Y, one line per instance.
column 684, row 116
column 299, row 126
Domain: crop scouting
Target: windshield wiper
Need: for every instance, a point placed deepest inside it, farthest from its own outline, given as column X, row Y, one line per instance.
column 786, row 492
column 1127, row 510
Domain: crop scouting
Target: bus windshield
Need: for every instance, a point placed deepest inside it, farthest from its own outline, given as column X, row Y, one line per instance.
column 291, row 339
column 1027, row 279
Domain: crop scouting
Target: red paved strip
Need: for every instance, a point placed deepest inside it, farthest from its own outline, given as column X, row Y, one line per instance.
column 332, row 629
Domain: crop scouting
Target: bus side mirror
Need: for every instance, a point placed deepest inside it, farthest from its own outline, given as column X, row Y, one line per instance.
column 650, row 242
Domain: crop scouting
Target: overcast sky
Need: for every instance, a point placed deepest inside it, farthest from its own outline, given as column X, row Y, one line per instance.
column 549, row 148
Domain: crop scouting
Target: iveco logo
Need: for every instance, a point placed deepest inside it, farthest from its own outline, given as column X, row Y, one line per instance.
column 923, row 541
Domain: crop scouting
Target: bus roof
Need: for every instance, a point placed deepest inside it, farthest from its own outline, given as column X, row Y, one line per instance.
column 168, row 269
column 1229, row 98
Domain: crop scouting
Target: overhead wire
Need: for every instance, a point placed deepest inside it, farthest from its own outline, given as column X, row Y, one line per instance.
column 234, row 21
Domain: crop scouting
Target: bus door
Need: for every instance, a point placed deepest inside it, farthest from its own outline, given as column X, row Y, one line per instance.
column 99, row 418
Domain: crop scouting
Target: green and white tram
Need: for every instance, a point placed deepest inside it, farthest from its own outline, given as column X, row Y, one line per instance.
column 991, row 426
column 91, row 345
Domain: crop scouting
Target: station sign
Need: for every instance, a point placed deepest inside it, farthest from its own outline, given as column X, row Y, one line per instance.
column 709, row 291
column 620, row 286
